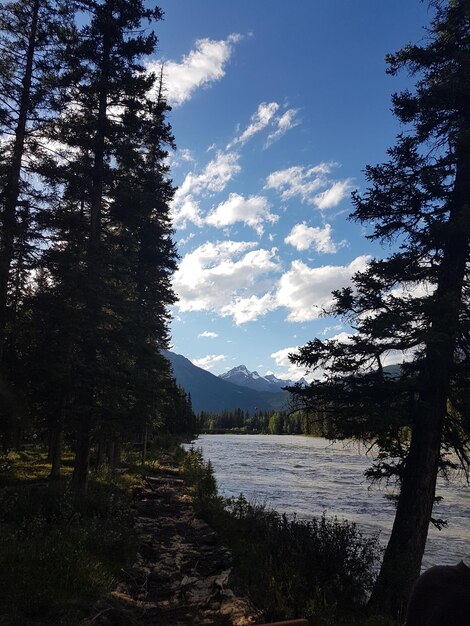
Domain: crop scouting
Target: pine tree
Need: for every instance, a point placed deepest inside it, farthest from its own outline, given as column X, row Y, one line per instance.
column 105, row 77
column 415, row 301
column 32, row 35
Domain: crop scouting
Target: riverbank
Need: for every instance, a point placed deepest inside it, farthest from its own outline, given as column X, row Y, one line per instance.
column 132, row 551
column 155, row 543
column 182, row 570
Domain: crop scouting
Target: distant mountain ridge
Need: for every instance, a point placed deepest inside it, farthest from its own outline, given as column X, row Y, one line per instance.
column 240, row 375
column 214, row 394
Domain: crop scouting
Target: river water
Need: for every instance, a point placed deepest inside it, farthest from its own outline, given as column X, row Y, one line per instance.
column 307, row 475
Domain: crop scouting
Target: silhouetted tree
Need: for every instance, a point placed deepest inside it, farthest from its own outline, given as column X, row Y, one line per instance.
column 416, row 301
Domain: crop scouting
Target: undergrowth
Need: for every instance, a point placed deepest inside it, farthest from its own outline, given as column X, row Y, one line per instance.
column 59, row 553
column 322, row 569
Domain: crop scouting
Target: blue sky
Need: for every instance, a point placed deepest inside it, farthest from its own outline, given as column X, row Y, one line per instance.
column 277, row 109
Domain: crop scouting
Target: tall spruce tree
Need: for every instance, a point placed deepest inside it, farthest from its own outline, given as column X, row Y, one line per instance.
column 105, row 75
column 98, row 312
column 147, row 252
column 417, row 300
column 32, row 35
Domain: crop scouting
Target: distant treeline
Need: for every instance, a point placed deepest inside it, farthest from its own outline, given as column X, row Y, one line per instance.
column 263, row 422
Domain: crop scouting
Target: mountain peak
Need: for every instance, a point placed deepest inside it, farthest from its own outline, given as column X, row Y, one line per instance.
column 212, row 393
column 240, row 375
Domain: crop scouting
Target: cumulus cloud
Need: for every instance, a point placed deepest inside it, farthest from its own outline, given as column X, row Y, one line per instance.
column 253, row 211
column 284, row 123
column 249, row 309
column 213, row 179
column 209, row 361
column 217, row 276
column 286, row 369
column 312, row 185
column 205, row 64
column 305, row 290
column 259, row 120
column 302, row 237
column 332, row 197
column 176, row 159
column 208, row 334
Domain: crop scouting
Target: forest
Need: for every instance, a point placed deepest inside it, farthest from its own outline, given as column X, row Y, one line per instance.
column 86, row 251
column 264, row 422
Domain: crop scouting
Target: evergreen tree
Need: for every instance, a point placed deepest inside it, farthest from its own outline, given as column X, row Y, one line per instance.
column 415, row 301
column 106, row 81
column 32, row 35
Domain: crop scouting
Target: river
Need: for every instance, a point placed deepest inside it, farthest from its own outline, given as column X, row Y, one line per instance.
column 307, row 475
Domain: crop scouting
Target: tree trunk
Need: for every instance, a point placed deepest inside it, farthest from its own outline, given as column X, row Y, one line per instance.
column 12, row 188
column 57, row 440
column 402, row 560
column 144, row 445
column 17, row 436
column 110, row 451
column 101, row 451
column 94, row 265
column 82, row 459
column 117, row 455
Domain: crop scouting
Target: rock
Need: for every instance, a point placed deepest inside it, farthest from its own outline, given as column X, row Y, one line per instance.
column 182, row 572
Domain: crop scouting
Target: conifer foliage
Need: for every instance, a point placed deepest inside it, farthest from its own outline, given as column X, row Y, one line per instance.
column 81, row 332
column 414, row 303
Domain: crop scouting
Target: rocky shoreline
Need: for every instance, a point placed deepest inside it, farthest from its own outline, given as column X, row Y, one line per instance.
column 182, row 570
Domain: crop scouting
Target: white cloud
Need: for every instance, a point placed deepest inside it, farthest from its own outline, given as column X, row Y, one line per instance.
column 176, row 159
column 213, row 179
column 259, row 120
column 299, row 181
column 215, row 276
column 185, row 209
column 253, row 211
column 285, row 369
column 305, row 290
column 249, row 309
column 332, row 197
column 285, row 122
column 204, row 65
column 309, row 185
column 208, row 334
column 302, row 237
column 209, row 361
column 328, row 329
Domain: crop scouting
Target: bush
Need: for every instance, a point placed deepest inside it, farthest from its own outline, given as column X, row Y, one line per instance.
column 199, row 476
column 322, row 568
column 57, row 552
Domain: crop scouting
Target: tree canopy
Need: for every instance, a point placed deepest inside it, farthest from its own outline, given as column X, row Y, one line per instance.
column 86, row 248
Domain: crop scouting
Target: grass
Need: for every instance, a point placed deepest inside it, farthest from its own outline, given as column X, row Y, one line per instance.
column 59, row 554
column 322, row 569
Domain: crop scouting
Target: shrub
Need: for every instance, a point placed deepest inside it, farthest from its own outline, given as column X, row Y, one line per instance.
column 57, row 552
column 322, row 568
column 199, row 476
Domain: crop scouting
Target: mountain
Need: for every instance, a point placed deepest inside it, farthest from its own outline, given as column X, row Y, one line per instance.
column 213, row 394
column 240, row 375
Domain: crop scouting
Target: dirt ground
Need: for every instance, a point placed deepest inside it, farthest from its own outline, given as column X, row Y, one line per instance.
column 182, row 570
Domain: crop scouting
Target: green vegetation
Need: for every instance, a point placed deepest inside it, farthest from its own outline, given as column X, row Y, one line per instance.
column 263, row 422
column 86, row 240
column 322, row 569
column 58, row 552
